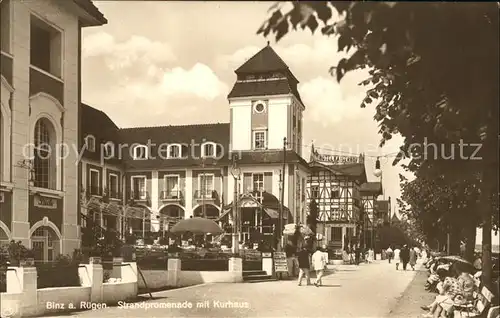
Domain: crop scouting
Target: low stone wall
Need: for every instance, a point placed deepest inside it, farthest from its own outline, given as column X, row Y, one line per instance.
column 155, row 279
column 23, row 299
column 173, row 276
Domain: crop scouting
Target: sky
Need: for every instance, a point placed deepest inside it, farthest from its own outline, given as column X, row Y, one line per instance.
column 172, row 63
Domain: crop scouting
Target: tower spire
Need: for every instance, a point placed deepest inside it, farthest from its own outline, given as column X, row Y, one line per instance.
column 313, row 152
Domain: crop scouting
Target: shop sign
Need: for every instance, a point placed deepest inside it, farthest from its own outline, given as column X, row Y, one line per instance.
column 336, row 159
column 45, row 202
column 280, row 263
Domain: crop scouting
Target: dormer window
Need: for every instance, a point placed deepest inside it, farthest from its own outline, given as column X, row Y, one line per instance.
column 90, row 143
column 174, row 151
column 208, row 149
column 109, row 149
column 140, row 152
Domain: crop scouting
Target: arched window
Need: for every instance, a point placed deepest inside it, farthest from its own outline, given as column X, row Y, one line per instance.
column 208, row 149
column 174, row 151
column 140, row 152
column 109, row 149
column 44, row 161
column 90, row 143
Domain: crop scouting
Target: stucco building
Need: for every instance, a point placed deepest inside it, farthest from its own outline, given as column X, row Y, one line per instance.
column 40, row 97
column 152, row 177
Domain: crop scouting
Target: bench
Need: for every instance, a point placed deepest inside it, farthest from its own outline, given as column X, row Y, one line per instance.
column 478, row 308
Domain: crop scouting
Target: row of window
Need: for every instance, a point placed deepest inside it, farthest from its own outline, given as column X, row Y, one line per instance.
column 334, row 192
column 171, row 189
column 141, row 152
column 175, row 151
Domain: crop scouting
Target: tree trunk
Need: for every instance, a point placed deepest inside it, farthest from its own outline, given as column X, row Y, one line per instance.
column 470, row 241
column 455, row 240
column 488, row 187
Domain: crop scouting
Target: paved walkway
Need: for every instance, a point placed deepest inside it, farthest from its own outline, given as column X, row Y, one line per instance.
column 368, row 290
column 414, row 296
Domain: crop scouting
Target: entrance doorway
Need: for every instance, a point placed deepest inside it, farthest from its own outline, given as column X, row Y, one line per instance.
column 44, row 243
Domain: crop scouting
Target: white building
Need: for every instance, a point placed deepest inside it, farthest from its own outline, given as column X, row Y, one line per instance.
column 40, row 94
column 194, row 175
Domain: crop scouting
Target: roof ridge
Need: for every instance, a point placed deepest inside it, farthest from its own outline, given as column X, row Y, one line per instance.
column 167, row 126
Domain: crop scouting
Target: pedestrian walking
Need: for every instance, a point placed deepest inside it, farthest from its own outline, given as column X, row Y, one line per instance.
column 397, row 258
column 371, row 255
column 304, row 264
column 405, row 256
column 389, row 254
column 413, row 258
column 325, row 251
column 319, row 263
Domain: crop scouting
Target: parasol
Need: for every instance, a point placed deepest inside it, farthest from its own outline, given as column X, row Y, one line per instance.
column 456, row 259
column 197, row 226
column 304, row 229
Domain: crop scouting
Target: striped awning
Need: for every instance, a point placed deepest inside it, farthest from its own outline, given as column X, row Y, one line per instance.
column 136, row 212
column 111, row 208
column 224, row 213
column 272, row 213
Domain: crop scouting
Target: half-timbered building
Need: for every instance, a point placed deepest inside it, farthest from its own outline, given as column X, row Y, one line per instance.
column 370, row 191
column 334, row 183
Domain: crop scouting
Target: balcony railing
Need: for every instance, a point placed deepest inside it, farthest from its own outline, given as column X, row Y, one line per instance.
column 171, row 195
column 139, row 195
column 207, row 195
column 42, row 81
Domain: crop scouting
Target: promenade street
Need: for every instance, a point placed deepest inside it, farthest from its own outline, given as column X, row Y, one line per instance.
column 368, row 290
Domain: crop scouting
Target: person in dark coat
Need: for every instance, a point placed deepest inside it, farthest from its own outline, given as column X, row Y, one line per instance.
column 405, row 256
column 304, row 264
column 357, row 254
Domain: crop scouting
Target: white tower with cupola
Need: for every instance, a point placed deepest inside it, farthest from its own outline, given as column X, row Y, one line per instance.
column 265, row 105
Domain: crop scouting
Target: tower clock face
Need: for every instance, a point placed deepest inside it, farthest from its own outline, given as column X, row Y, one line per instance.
column 259, row 107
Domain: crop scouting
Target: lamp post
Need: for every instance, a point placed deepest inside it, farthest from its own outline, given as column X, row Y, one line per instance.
column 235, row 172
column 377, row 173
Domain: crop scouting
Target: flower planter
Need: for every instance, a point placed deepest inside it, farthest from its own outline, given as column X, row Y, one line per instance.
column 95, row 260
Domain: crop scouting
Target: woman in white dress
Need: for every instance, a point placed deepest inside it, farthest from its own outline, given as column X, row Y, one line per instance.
column 397, row 258
column 371, row 255
column 319, row 263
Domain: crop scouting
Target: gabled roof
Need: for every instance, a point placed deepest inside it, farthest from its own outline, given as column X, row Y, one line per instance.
column 371, row 188
column 91, row 9
column 266, row 60
column 394, row 218
column 98, row 124
column 356, row 170
column 259, row 88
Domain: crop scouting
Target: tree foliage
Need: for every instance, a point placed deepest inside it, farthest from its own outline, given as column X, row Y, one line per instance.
column 433, row 79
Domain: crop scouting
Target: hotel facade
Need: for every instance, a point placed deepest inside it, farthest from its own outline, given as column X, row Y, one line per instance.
column 40, row 96
column 152, row 177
